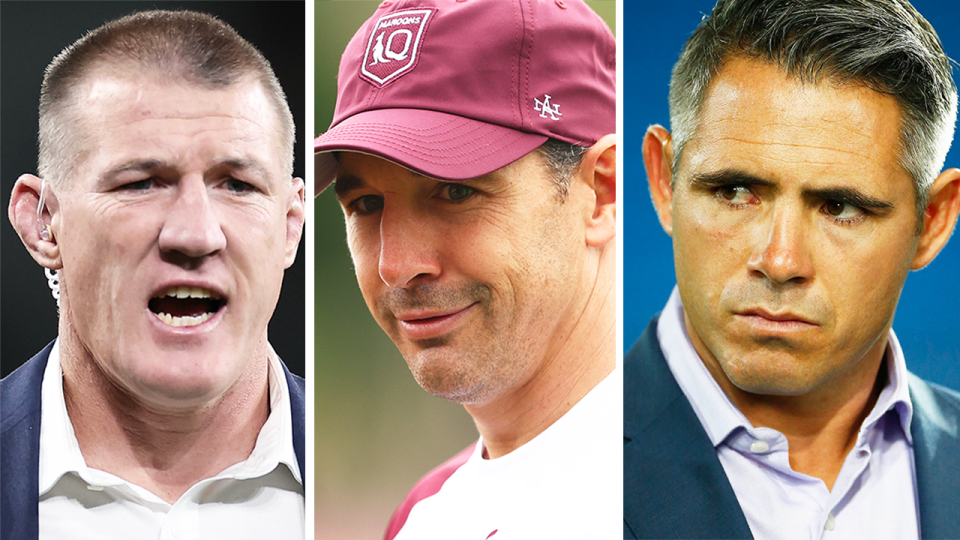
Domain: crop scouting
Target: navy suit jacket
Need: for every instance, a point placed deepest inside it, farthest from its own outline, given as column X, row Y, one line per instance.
column 675, row 487
column 20, row 444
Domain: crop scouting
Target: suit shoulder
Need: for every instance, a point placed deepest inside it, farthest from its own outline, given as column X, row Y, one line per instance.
column 426, row 487
column 943, row 396
column 643, row 352
column 20, row 390
column 935, row 404
column 300, row 382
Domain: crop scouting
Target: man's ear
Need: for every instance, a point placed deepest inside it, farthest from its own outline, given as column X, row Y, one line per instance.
column 939, row 218
column 658, row 161
column 598, row 169
column 294, row 221
column 37, row 230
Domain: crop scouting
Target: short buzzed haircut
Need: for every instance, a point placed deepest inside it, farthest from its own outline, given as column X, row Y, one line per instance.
column 884, row 45
column 182, row 46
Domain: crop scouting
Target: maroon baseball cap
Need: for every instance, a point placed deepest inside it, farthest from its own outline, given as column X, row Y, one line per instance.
column 455, row 89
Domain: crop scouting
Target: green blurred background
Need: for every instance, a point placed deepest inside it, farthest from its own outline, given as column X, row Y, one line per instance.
column 377, row 431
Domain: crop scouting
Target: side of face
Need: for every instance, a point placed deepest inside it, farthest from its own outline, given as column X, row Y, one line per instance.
column 793, row 228
column 473, row 280
column 173, row 233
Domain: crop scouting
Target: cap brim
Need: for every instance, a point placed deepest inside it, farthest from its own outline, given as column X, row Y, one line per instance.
column 435, row 144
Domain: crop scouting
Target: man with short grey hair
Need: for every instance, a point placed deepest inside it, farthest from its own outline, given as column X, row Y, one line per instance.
column 167, row 209
column 801, row 184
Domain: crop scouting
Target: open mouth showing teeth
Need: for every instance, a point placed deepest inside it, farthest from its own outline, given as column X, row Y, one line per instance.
column 185, row 306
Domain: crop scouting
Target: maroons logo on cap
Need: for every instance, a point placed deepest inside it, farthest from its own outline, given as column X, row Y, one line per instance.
column 394, row 45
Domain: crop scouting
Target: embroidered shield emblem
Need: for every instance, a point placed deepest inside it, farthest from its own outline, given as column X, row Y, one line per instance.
column 394, row 45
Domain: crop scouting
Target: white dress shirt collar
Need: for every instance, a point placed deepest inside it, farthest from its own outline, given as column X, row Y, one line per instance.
column 61, row 454
column 720, row 417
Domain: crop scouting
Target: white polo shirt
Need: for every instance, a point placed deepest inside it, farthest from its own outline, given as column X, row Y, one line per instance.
column 261, row 497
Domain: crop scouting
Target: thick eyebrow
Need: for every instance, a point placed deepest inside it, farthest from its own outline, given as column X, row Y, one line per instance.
column 728, row 177
column 850, row 195
column 844, row 194
column 347, row 183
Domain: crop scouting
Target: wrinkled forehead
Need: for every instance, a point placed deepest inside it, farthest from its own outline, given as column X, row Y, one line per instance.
column 756, row 109
column 109, row 103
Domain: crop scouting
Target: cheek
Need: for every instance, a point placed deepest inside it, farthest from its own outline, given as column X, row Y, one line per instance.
column 258, row 230
column 255, row 254
column 546, row 266
column 707, row 251
column 94, row 246
column 364, row 248
column 864, row 278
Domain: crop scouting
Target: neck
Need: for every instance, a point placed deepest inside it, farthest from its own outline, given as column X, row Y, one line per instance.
column 574, row 365
column 821, row 426
column 165, row 451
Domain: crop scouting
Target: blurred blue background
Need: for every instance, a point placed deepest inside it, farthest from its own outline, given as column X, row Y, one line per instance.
column 927, row 316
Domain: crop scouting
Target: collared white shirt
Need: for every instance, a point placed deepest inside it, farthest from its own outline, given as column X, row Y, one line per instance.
column 874, row 497
column 261, row 497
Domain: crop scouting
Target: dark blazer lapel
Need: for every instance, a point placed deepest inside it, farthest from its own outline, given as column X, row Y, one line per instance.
column 20, row 449
column 297, row 408
column 674, row 486
column 936, row 451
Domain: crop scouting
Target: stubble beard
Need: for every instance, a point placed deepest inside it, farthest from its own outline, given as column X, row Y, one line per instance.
column 470, row 365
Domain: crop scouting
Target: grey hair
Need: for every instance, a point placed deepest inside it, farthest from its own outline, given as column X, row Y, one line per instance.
column 883, row 45
column 562, row 159
column 185, row 46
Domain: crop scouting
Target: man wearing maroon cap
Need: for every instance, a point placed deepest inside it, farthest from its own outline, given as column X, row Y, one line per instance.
column 474, row 159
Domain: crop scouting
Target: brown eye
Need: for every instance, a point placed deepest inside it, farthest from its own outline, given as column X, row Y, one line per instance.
column 368, row 204
column 842, row 211
column 834, row 208
column 734, row 194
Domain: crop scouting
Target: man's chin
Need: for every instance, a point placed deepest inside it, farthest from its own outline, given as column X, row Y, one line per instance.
column 448, row 375
column 773, row 388
column 782, row 377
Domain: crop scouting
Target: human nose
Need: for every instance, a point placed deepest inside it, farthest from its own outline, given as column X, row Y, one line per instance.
column 781, row 254
column 407, row 249
column 191, row 225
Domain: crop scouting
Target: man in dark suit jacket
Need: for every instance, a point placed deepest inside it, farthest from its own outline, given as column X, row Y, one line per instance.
column 20, row 433
column 700, row 503
column 165, row 212
column 801, row 183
